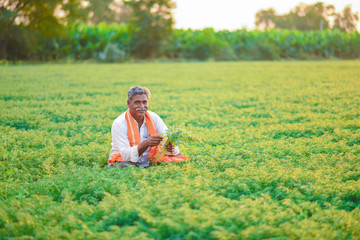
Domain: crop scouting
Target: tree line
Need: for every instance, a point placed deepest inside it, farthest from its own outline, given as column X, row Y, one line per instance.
column 30, row 23
column 30, row 27
column 315, row 16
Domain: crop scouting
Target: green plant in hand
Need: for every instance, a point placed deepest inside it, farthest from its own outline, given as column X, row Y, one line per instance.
column 176, row 136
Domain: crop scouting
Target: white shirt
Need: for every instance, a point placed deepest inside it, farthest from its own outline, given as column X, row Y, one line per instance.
column 120, row 141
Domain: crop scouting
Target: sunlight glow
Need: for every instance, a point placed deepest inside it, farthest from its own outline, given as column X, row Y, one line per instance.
column 85, row 4
column 236, row 14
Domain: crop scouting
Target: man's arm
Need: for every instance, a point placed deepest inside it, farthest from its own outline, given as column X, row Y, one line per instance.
column 122, row 144
column 151, row 141
column 128, row 153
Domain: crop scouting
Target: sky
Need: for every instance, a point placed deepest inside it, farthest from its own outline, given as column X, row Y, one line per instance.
column 236, row 14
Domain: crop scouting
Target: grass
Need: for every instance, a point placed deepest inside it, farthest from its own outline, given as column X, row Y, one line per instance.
column 278, row 155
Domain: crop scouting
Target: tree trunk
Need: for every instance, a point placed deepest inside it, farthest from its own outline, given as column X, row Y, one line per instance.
column 3, row 46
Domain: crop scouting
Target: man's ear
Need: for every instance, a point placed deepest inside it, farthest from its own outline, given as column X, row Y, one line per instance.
column 128, row 103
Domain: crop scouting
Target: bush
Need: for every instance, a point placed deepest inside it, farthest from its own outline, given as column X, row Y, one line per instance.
column 113, row 42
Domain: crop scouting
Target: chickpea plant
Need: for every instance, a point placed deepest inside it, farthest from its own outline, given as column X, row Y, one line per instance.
column 175, row 136
column 276, row 153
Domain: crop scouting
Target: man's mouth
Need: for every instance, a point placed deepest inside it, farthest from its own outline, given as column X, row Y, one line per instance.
column 141, row 109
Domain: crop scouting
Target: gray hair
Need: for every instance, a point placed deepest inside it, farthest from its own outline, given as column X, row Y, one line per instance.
column 138, row 90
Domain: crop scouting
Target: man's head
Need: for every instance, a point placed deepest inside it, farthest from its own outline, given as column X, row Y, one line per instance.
column 138, row 91
column 138, row 101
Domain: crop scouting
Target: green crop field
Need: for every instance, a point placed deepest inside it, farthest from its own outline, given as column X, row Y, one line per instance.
column 276, row 152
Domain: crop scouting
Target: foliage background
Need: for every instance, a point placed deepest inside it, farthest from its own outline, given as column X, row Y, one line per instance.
column 113, row 43
column 277, row 156
column 131, row 30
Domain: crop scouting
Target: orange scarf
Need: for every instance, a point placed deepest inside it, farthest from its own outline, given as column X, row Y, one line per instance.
column 134, row 139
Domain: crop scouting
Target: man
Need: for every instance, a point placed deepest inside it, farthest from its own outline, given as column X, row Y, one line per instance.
column 135, row 138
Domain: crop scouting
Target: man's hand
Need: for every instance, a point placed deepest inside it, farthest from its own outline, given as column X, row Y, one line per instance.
column 169, row 148
column 154, row 140
column 151, row 141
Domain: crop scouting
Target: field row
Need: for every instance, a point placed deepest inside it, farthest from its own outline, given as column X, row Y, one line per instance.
column 275, row 155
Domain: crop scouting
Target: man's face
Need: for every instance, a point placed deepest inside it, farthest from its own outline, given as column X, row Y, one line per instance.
column 138, row 106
